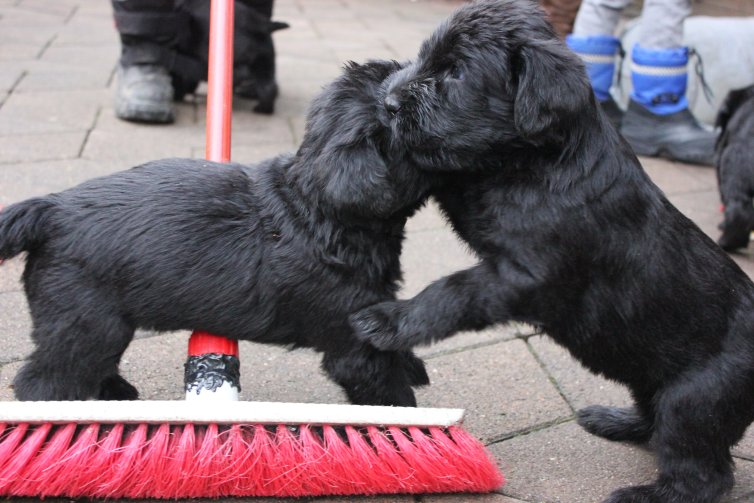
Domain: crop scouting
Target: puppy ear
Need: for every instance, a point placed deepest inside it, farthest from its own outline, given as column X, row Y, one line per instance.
column 357, row 179
column 553, row 90
column 732, row 102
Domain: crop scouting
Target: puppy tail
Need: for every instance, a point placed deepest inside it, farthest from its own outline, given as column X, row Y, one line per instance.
column 23, row 226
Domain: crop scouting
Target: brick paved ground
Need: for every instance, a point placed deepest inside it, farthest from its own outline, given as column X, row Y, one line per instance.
column 57, row 128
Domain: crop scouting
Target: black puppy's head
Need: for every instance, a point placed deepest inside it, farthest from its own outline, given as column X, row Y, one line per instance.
column 494, row 76
column 345, row 156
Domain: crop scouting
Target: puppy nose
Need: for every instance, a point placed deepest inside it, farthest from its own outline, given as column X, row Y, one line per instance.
column 392, row 103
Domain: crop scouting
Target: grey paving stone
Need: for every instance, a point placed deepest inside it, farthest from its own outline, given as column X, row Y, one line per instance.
column 15, row 326
column 7, row 373
column 27, row 179
column 39, row 147
column 251, row 129
column 88, row 26
column 429, row 255
column 10, row 74
column 297, row 123
column 50, row 112
column 464, row 498
column 744, row 488
column 270, row 373
column 501, row 386
column 61, row 9
column 565, row 464
column 428, row 217
column 301, row 41
column 10, row 275
column 18, row 51
column 674, row 178
column 745, row 447
column 578, row 385
column 292, row 69
column 54, row 75
column 368, row 499
column 469, row 340
column 44, row 22
column 702, row 207
column 145, row 143
column 745, row 260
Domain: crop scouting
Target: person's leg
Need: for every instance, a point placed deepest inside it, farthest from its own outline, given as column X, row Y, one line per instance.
column 150, row 32
column 593, row 40
column 598, row 17
column 144, row 90
column 658, row 121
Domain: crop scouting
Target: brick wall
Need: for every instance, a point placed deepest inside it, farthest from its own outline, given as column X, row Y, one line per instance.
column 723, row 7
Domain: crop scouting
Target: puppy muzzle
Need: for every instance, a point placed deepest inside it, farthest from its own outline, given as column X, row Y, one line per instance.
column 394, row 86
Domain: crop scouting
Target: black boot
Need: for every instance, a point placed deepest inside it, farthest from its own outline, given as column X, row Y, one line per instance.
column 658, row 121
column 144, row 94
column 677, row 136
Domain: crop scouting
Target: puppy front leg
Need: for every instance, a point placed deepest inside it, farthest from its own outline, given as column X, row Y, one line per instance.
column 736, row 189
column 466, row 300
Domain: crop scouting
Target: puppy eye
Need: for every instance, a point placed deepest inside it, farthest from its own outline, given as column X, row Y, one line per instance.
column 456, row 73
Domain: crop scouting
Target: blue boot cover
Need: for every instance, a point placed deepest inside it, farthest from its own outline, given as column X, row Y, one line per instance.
column 659, row 78
column 598, row 53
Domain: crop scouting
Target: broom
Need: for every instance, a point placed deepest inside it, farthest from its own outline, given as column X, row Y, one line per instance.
column 181, row 449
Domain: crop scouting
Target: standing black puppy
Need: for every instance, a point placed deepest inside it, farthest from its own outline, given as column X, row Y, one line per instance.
column 280, row 252
column 574, row 238
column 734, row 157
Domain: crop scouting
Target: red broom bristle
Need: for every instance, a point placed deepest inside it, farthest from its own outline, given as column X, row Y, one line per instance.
column 183, row 461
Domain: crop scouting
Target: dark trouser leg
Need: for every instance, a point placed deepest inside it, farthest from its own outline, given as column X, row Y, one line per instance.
column 151, row 70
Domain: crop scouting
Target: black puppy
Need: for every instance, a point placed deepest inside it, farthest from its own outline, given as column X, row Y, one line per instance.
column 734, row 158
column 574, row 238
column 280, row 252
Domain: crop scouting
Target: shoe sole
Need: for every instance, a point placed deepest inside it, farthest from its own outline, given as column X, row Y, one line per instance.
column 143, row 112
column 668, row 153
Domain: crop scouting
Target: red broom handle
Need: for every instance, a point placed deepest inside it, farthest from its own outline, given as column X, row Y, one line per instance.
column 219, row 107
column 220, row 80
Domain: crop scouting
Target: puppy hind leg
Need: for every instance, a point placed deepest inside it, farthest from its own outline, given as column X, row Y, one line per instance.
column 76, row 358
column 371, row 377
column 697, row 421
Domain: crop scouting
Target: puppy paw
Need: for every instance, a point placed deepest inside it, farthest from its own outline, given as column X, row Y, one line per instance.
column 378, row 325
column 415, row 369
column 116, row 388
